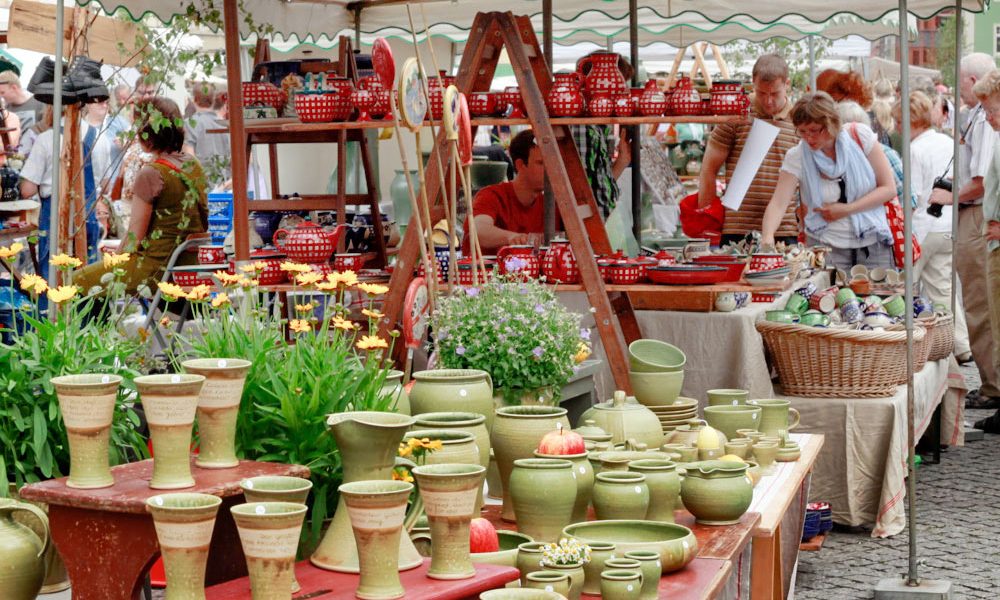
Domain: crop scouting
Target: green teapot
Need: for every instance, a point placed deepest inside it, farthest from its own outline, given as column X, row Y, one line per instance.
column 22, row 552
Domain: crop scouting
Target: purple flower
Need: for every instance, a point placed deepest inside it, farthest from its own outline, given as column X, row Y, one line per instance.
column 460, row 350
column 471, row 292
column 515, row 264
column 584, row 334
column 539, row 309
column 538, row 351
column 523, row 290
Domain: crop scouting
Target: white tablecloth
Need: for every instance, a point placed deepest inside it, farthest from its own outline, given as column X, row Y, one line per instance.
column 861, row 470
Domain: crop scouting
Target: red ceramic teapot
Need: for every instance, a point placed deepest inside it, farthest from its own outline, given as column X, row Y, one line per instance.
column 559, row 265
column 308, row 243
column 601, row 74
column 519, row 259
column 565, row 99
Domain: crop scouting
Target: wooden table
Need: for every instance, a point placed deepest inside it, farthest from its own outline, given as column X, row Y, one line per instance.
column 781, row 500
column 107, row 539
column 320, row 584
column 731, row 543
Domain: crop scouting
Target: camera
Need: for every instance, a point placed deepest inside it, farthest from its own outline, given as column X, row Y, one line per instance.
column 941, row 183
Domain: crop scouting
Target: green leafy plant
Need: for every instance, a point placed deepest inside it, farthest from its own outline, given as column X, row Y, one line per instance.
column 517, row 331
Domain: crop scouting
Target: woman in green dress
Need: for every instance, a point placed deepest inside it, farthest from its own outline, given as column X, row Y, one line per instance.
column 169, row 202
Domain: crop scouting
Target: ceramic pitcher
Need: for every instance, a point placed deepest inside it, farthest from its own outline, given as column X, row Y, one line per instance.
column 22, row 552
column 776, row 415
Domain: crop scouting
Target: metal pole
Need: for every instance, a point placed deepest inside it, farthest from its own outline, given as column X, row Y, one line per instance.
column 912, row 579
column 958, row 148
column 812, row 63
column 633, row 38
column 56, row 149
column 549, row 199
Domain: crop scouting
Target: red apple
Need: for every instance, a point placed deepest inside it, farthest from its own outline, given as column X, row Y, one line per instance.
column 561, row 441
column 483, row 536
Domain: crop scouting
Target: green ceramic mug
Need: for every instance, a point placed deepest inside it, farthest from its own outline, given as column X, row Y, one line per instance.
column 815, row 320
column 845, row 295
column 781, row 316
column 730, row 397
column 797, row 304
column 549, row 581
column 619, row 584
column 775, row 415
column 895, row 306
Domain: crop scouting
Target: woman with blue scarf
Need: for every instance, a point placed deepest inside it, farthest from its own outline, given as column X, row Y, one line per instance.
column 843, row 179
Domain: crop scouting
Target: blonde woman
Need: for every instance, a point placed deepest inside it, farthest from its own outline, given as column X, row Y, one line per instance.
column 843, row 180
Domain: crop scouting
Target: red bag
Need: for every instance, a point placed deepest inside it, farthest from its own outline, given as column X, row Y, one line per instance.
column 702, row 222
column 894, row 215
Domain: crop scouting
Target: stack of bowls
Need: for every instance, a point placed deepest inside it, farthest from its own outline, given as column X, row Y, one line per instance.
column 676, row 414
column 656, row 372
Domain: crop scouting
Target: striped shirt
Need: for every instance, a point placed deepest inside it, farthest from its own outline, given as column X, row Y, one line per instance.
column 749, row 217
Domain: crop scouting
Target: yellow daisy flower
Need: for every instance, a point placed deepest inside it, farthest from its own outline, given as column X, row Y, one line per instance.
column 12, row 250
column 373, row 289
column 62, row 293
column 348, row 278
column 66, row 261
column 372, row 314
column 171, row 291
column 342, row 323
column 370, row 342
column 227, row 278
column 248, row 283
column 304, row 308
column 199, row 292
column 220, row 300
column 309, row 278
column 404, row 450
column 582, row 352
column 326, row 286
column 299, row 325
column 295, row 267
column 115, row 260
column 34, row 284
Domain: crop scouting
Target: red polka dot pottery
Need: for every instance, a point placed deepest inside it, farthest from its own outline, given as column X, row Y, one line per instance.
column 565, row 99
column 256, row 93
column 600, row 105
column 436, row 87
column 559, row 265
column 512, row 96
column 272, row 273
column 625, row 272
column 685, row 100
column 363, row 100
column 211, row 254
column 380, row 96
column 519, row 259
column 729, row 98
column 348, row 262
column 652, row 102
column 339, row 92
column 314, row 108
column 482, row 104
column 601, row 74
column 624, row 106
column 308, row 243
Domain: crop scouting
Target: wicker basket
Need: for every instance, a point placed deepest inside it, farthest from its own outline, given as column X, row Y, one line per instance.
column 921, row 347
column 942, row 338
column 836, row 363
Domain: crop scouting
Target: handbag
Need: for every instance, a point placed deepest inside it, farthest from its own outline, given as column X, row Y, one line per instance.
column 894, row 215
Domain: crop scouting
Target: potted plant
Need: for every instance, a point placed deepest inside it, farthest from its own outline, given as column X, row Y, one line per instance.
column 567, row 556
column 515, row 330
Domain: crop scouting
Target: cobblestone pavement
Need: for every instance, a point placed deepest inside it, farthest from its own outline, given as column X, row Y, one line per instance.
column 958, row 509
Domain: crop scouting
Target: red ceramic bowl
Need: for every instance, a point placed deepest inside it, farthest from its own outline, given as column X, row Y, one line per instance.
column 734, row 270
column 625, row 273
column 687, row 275
column 211, row 254
column 348, row 262
column 188, row 278
column 766, row 262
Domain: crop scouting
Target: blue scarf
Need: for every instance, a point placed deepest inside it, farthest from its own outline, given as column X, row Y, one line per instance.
column 859, row 177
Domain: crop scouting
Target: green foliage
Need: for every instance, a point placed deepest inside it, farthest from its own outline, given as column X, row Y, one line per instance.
column 741, row 55
column 945, row 51
column 518, row 332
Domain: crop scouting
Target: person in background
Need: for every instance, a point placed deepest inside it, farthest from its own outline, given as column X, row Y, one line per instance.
column 212, row 149
column 931, row 157
column 133, row 157
column 770, row 103
column 987, row 91
column 851, row 85
column 975, row 156
column 12, row 139
column 19, row 101
column 843, row 184
column 107, row 152
column 36, row 179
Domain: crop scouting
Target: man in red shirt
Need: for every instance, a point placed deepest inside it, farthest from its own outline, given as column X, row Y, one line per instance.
column 512, row 212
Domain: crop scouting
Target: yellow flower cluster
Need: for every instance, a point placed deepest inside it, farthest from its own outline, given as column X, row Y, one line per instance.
column 34, row 284
column 199, row 292
column 304, row 308
column 12, row 250
column 115, row 260
column 347, row 278
column 424, row 443
column 309, row 278
column 341, row 323
column 292, row 267
column 254, row 267
column 300, row 325
column 371, row 342
column 62, row 293
column 226, row 278
column 65, row 261
column 171, row 291
column 582, row 352
column 372, row 314
column 221, row 299
column 401, row 474
column 373, row 289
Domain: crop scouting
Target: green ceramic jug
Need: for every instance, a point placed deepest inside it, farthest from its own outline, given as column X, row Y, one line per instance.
column 444, row 390
column 22, row 553
column 664, row 485
column 717, row 492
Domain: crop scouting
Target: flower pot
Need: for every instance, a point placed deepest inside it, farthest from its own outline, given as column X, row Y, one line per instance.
column 22, row 552
column 184, row 524
column 717, row 492
column 542, row 492
column 445, row 390
column 368, row 443
column 543, row 396
column 393, row 387
column 664, row 485
column 218, row 406
column 576, row 576
column 516, row 433
column 550, row 581
column 650, row 566
column 599, row 553
column 269, row 533
column 473, row 423
column 377, row 509
column 584, row 474
column 621, row 584
column 170, row 403
column 529, row 559
column 620, row 495
column 457, row 447
column 449, row 494
column 87, row 404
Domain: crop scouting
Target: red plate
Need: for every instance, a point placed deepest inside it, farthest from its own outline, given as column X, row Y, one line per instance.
column 383, row 63
column 415, row 313
column 687, row 275
column 464, row 126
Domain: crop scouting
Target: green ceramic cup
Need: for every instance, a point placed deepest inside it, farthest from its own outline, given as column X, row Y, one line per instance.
column 781, row 316
column 895, row 306
column 815, row 320
column 600, row 552
column 845, row 295
column 651, row 567
column 529, row 559
column 618, row 584
column 549, row 581
column 797, row 304
column 737, row 448
column 620, row 495
column 652, row 356
column 729, row 397
column 765, row 453
column 657, row 389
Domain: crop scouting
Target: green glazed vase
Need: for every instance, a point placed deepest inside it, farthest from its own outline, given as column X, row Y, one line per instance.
column 576, row 577
column 516, row 433
column 446, row 390
column 717, row 492
column 170, row 403
column 584, row 473
column 184, row 524
column 543, row 492
column 620, row 584
column 457, row 447
column 277, row 488
column 218, row 407
column 551, row 581
column 473, row 423
column 393, row 387
column 87, row 405
column 449, row 495
column 377, row 509
column 664, row 485
column 651, row 568
column 22, row 552
column 599, row 553
column 269, row 533
column 529, row 559
column 368, row 442
column 620, row 495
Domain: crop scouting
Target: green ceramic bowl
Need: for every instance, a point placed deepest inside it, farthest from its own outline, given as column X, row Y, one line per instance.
column 657, row 389
column 507, row 554
column 730, row 419
column 654, row 356
column 675, row 543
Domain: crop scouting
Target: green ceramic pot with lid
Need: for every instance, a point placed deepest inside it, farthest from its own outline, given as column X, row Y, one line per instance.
column 627, row 421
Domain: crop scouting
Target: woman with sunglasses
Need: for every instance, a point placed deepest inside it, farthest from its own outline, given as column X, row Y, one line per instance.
column 843, row 178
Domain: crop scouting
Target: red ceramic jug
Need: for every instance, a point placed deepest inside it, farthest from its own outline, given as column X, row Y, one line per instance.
column 565, row 99
column 559, row 264
column 652, row 102
column 601, row 74
column 518, row 259
column 729, row 98
column 308, row 243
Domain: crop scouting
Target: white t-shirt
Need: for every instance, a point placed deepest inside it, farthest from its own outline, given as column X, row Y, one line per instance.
column 930, row 153
column 975, row 154
column 839, row 233
column 38, row 166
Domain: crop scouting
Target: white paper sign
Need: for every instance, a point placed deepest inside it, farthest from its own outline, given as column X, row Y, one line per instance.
column 762, row 135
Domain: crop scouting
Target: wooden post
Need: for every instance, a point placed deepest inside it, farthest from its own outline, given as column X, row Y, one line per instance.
column 237, row 132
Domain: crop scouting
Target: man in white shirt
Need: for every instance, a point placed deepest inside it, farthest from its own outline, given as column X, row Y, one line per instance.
column 36, row 178
column 975, row 155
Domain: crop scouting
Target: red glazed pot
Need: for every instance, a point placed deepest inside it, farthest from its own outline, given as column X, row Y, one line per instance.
column 340, row 94
column 565, row 99
column 559, row 265
column 363, row 100
column 272, row 273
column 652, row 102
column 263, row 92
column 601, row 74
column 729, row 98
column 685, row 100
column 600, row 105
column 512, row 95
column 522, row 259
column 348, row 262
column 381, row 99
column 625, row 272
column 211, row 254
column 624, row 107
column 308, row 243
column 314, row 108
column 482, row 104
column 188, row 278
